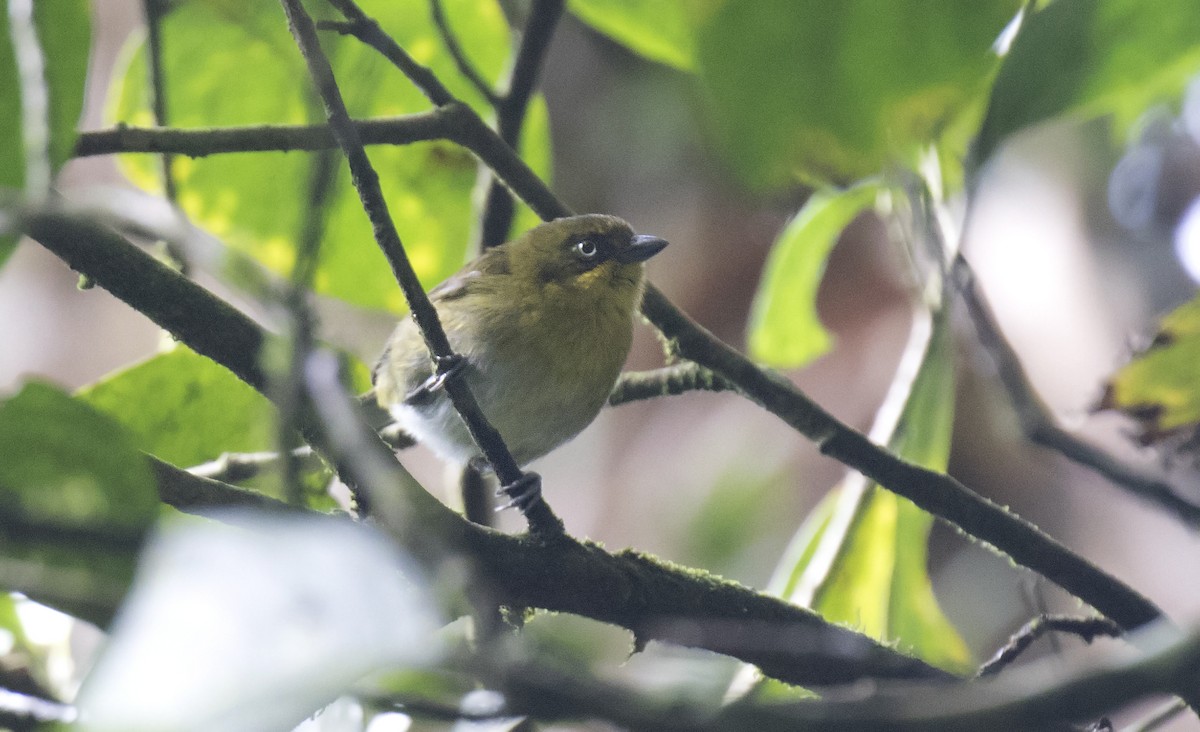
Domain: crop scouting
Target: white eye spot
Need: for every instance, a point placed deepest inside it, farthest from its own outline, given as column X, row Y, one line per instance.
column 587, row 249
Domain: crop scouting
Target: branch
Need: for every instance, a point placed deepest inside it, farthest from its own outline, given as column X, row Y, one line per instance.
column 1042, row 697
column 235, row 467
column 193, row 493
column 636, row 592
column 1086, row 628
column 436, row 124
column 1038, row 422
column 474, row 134
column 465, row 67
column 542, row 520
column 667, row 381
column 937, row 493
column 496, row 220
column 365, row 29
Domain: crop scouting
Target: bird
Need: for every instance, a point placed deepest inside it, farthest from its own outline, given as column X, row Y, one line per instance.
column 541, row 326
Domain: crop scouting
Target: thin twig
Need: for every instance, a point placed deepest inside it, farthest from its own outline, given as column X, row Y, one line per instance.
column 1037, row 420
column 158, row 86
column 496, row 220
column 365, row 29
column 300, row 330
column 474, row 134
column 542, row 520
column 1086, row 628
column 235, row 467
column 199, row 142
column 465, row 67
column 193, row 493
column 154, row 11
column 666, row 381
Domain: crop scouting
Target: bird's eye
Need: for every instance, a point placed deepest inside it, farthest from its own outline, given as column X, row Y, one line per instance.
column 587, row 250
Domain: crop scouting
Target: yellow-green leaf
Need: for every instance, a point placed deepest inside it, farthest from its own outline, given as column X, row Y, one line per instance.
column 184, row 408
column 1090, row 58
column 860, row 559
column 1160, row 387
column 660, row 30
column 784, row 329
column 825, row 91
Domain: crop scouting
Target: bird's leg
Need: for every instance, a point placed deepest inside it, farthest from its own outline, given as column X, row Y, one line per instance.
column 447, row 368
column 523, row 493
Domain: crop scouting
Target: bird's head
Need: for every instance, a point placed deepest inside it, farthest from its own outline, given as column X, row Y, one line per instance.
column 593, row 256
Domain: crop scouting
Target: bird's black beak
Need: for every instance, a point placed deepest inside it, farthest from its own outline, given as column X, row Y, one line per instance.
column 641, row 248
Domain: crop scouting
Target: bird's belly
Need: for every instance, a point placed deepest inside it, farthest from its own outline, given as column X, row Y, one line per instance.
column 534, row 411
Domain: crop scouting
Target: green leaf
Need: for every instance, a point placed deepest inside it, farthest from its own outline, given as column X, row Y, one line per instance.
column 256, row 202
column 76, row 497
column 784, row 329
column 660, row 30
column 1088, row 58
column 184, row 408
column 838, row 91
column 861, row 557
column 1160, row 387
column 64, row 30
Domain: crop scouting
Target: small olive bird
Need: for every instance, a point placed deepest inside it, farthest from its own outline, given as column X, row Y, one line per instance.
column 543, row 323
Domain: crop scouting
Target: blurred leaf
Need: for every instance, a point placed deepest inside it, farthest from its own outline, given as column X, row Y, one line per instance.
column 1160, row 388
column 838, row 91
column 64, row 29
column 256, row 622
column 1090, row 58
column 255, row 202
column 861, row 557
column 660, row 30
column 184, row 408
column 740, row 509
column 75, row 497
column 784, row 329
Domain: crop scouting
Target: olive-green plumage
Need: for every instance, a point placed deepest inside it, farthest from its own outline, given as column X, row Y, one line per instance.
column 544, row 323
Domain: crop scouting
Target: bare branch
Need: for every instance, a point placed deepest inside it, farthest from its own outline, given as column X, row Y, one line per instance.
column 1039, row 424
column 1086, row 628
column 235, row 467
column 436, row 124
column 498, row 208
column 195, row 493
column 935, row 492
column 465, row 67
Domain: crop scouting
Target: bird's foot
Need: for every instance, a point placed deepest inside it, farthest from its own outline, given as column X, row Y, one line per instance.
column 523, row 493
column 447, row 368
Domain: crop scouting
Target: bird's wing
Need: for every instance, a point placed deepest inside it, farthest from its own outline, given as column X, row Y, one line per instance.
column 494, row 261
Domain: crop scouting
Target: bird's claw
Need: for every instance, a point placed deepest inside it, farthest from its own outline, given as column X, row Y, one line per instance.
column 447, row 368
column 523, row 493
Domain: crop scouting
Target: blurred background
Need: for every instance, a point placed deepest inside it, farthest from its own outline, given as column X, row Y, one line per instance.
column 710, row 480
